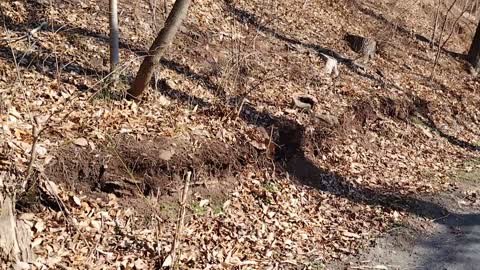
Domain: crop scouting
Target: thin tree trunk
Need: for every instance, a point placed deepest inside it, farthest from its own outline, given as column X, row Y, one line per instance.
column 437, row 11
column 437, row 55
column 474, row 8
column 474, row 52
column 164, row 38
column 464, row 9
column 114, row 35
column 165, row 9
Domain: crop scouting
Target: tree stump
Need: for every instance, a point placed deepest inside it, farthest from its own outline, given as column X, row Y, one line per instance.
column 15, row 235
column 367, row 47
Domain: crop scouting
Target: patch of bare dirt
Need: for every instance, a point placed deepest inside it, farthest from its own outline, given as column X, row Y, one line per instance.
column 447, row 239
column 129, row 167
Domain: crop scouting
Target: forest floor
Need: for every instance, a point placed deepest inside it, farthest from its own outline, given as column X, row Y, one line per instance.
column 386, row 146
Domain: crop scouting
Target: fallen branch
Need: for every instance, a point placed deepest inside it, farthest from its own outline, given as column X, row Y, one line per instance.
column 27, row 35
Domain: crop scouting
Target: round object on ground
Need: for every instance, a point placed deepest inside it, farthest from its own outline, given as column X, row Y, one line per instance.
column 304, row 101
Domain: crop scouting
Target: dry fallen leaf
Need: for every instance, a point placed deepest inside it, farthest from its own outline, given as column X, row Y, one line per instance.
column 166, row 154
column 140, row 264
column 39, row 226
column 22, row 266
column 203, row 202
column 96, row 224
column 77, row 201
column 37, row 242
column 168, row 261
column 80, row 142
column 350, row 234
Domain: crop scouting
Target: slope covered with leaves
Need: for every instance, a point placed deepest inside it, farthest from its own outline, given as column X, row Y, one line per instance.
column 274, row 187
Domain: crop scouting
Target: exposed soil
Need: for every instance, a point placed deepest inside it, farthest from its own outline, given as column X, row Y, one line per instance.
column 448, row 239
column 150, row 167
column 136, row 168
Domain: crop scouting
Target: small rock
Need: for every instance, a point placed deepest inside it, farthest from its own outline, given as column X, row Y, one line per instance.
column 41, row 150
column 203, row 202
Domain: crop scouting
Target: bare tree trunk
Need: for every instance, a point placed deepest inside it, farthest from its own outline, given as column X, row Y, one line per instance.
column 474, row 8
column 437, row 11
column 455, row 23
column 474, row 52
column 114, row 35
column 164, row 38
column 437, row 55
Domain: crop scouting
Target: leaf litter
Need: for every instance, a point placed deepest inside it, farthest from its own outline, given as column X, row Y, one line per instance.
column 376, row 139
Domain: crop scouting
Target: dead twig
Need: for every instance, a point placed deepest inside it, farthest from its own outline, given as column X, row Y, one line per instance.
column 464, row 10
column 26, row 36
column 33, row 154
column 172, row 259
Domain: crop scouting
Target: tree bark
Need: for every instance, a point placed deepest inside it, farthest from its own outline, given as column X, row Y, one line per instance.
column 114, row 35
column 15, row 235
column 164, row 38
column 474, row 52
column 437, row 11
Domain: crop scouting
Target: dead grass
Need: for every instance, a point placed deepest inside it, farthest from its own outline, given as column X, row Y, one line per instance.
column 470, row 172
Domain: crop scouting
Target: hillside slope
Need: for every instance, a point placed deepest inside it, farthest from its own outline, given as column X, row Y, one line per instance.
column 273, row 187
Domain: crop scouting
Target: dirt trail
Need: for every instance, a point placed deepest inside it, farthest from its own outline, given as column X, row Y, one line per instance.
column 450, row 240
column 456, row 247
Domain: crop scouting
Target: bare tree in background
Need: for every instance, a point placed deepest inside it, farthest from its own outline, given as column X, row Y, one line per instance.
column 435, row 25
column 164, row 38
column 442, row 32
column 114, row 36
column 474, row 52
column 475, row 8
